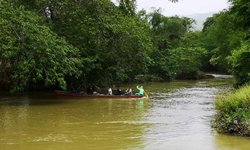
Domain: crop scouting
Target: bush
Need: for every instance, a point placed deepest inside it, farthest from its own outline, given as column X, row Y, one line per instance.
column 187, row 61
column 233, row 113
column 240, row 62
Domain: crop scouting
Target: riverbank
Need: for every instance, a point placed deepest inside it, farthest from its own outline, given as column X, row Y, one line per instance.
column 233, row 113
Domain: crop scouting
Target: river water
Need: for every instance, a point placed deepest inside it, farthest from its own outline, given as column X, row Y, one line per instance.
column 177, row 116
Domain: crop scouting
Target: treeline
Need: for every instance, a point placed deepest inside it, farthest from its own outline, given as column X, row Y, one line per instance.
column 51, row 44
column 47, row 44
column 226, row 37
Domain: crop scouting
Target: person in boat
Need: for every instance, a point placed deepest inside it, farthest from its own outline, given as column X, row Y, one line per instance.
column 90, row 89
column 118, row 91
column 128, row 91
column 141, row 91
column 110, row 91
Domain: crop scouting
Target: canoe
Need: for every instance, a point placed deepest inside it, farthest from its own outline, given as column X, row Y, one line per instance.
column 83, row 95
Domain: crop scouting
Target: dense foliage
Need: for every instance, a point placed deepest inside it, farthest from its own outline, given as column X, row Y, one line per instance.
column 176, row 52
column 233, row 113
column 221, row 38
column 240, row 61
column 228, row 33
column 226, row 37
column 51, row 44
column 30, row 53
column 117, row 43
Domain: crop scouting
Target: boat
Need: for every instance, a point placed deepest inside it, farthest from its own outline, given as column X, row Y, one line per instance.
column 97, row 96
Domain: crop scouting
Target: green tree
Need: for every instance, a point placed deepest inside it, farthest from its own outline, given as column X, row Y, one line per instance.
column 241, row 8
column 127, row 7
column 240, row 62
column 221, row 37
column 31, row 53
column 118, row 44
column 224, row 34
column 240, row 57
column 170, row 36
column 187, row 61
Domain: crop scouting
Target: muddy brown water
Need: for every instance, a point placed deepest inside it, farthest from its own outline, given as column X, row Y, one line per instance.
column 176, row 116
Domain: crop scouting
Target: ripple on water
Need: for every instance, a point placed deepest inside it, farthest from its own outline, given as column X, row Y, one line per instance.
column 173, row 118
column 182, row 112
column 52, row 138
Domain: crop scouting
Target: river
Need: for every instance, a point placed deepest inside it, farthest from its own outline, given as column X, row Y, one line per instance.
column 177, row 116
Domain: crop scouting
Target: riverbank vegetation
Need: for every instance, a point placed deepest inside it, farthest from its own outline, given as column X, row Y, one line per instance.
column 233, row 112
column 47, row 45
column 227, row 36
column 227, row 40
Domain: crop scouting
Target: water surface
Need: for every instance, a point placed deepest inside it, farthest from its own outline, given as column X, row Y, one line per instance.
column 176, row 116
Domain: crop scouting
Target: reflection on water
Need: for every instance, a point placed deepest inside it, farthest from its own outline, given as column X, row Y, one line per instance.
column 226, row 142
column 177, row 116
column 71, row 124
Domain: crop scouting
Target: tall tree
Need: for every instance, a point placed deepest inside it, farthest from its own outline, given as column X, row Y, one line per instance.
column 241, row 8
column 31, row 54
column 221, row 38
column 118, row 44
column 128, row 6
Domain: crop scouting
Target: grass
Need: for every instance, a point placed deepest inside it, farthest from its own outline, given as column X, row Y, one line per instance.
column 233, row 112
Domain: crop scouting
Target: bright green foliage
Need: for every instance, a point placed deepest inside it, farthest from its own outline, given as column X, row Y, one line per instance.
column 182, row 62
column 31, row 53
column 241, row 8
column 177, row 51
column 221, row 38
column 102, row 43
column 168, row 31
column 233, row 113
column 127, row 7
column 224, row 34
column 240, row 61
column 228, row 35
column 187, row 61
column 118, row 44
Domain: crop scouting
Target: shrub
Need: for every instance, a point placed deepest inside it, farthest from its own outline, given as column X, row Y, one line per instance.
column 233, row 112
column 240, row 62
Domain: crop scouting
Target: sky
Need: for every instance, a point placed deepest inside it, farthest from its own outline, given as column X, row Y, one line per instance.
column 183, row 7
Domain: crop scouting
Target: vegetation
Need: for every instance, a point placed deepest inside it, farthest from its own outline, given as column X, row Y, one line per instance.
column 52, row 44
column 175, row 47
column 240, row 61
column 233, row 113
column 226, row 38
column 31, row 53
column 221, row 37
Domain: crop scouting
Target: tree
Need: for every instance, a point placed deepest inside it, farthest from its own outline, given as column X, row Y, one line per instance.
column 240, row 62
column 241, row 8
column 240, row 58
column 127, row 7
column 176, row 51
column 221, row 37
column 118, row 44
column 31, row 54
